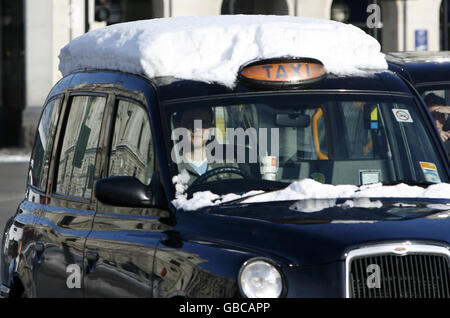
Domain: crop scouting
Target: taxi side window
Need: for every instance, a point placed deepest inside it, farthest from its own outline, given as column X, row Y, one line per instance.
column 131, row 148
column 42, row 150
column 79, row 146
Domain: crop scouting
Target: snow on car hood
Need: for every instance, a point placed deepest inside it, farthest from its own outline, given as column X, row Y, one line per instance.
column 213, row 48
column 310, row 189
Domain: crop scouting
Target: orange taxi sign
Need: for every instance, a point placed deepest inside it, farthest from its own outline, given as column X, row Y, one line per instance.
column 283, row 72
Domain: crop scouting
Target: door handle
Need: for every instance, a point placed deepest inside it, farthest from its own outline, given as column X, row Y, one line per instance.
column 39, row 247
column 92, row 256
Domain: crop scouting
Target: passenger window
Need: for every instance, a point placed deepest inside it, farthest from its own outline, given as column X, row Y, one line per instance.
column 42, row 150
column 79, row 147
column 131, row 149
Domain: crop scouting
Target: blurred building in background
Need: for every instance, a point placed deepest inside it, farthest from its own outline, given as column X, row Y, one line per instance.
column 12, row 71
column 33, row 31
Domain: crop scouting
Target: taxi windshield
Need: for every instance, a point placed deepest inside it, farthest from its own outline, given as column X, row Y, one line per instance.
column 265, row 142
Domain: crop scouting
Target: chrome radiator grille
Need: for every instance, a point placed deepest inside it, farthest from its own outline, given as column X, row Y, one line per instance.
column 411, row 274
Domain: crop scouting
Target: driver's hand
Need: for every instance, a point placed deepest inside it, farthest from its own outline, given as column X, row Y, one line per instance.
column 440, row 109
column 445, row 135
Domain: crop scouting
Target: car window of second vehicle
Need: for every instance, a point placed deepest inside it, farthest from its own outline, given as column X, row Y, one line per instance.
column 438, row 103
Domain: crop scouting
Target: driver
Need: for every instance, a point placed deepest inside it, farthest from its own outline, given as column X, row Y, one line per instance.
column 440, row 113
column 196, row 160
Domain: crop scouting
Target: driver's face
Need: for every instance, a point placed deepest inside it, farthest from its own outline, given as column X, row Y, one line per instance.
column 199, row 131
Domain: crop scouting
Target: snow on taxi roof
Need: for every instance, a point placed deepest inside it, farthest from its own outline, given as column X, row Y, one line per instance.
column 213, row 48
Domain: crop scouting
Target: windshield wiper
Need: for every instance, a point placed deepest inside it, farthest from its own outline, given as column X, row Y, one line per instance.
column 266, row 186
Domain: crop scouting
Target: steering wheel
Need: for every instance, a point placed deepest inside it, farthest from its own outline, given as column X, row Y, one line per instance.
column 216, row 171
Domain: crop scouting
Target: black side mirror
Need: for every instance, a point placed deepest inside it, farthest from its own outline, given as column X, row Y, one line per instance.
column 125, row 191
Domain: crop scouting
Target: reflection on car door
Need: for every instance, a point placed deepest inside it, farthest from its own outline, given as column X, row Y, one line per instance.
column 21, row 234
column 66, row 220
column 120, row 249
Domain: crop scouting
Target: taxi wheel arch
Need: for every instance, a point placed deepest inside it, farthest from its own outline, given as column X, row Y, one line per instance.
column 22, row 285
column 17, row 288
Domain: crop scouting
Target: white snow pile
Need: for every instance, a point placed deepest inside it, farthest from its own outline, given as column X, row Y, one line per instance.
column 12, row 155
column 213, row 48
column 308, row 206
column 200, row 199
column 311, row 189
column 14, row 158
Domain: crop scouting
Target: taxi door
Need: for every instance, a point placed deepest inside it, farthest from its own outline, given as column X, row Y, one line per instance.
column 120, row 249
column 67, row 214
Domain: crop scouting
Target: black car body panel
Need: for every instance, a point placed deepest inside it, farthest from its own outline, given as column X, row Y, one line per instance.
column 304, row 248
column 420, row 68
column 170, row 90
column 277, row 231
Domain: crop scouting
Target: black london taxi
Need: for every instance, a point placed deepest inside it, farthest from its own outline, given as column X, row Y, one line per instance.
column 347, row 195
column 428, row 72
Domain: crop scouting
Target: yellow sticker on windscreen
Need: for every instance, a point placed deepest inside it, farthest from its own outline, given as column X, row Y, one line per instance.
column 430, row 172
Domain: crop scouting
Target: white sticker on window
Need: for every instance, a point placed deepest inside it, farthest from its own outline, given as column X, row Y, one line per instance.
column 370, row 176
column 402, row 115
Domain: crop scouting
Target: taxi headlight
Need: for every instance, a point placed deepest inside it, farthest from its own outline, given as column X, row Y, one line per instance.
column 258, row 278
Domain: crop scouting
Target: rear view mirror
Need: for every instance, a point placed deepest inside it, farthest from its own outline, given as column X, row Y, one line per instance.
column 292, row 120
column 123, row 191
